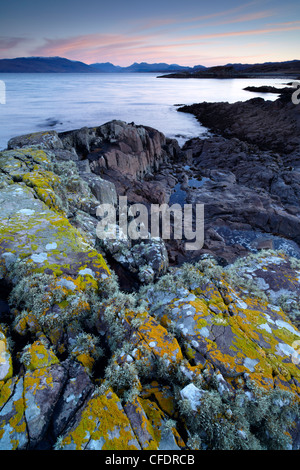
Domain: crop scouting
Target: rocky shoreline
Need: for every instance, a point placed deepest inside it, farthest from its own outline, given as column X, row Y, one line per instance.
column 140, row 344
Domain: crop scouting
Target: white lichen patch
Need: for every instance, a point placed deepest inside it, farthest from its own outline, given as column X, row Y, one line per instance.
column 67, row 284
column 193, row 395
column 284, row 349
column 250, row 363
column 265, row 326
column 51, row 246
column 39, row 258
column 86, row 272
column 204, row 332
column 287, row 326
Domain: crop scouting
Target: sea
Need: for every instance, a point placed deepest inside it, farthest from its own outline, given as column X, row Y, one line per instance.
column 57, row 101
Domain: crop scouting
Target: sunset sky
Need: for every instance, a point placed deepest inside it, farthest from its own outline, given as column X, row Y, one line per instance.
column 186, row 32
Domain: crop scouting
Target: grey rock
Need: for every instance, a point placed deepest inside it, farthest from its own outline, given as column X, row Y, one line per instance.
column 104, row 191
column 41, row 393
column 83, row 166
column 75, row 393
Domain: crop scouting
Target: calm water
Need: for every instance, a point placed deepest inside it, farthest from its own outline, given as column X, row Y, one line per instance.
column 36, row 102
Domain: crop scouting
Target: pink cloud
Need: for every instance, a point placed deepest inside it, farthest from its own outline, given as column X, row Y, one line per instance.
column 248, row 17
column 154, row 22
column 123, row 49
column 90, row 47
column 244, row 33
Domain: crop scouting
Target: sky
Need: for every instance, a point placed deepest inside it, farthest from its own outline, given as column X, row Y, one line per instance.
column 185, row 32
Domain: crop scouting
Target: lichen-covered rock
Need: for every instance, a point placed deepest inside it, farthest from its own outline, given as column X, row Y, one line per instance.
column 42, row 388
column 75, row 394
column 101, row 425
column 238, row 336
column 13, row 429
column 33, row 230
column 165, row 434
column 150, row 425
column 37, row 356
column 274, row 277
column 45, row 140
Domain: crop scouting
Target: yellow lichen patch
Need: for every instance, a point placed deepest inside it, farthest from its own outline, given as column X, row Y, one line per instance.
column 55, row 335
column 38, row 379
column 86, row 282
column 6, row 388
column 165, row 320
column 190, row 353
column 86, row 360
column 85, row 349
column 199, row 305
column 163, row 395
column 158, row 420
column 38, row 356
column 27, row 323
column 159, row 341
column 30, row 153
column 44, row 183
column 12, row 166
column 17, row 422
column 155, row 416
column 102, row 425
column 228, row 362
column 266, row 344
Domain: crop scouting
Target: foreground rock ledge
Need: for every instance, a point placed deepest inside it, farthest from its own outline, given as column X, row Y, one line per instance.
column 205, row 358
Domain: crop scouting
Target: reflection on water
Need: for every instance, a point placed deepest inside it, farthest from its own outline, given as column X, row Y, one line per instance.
column 178, row 196
column 180, row 191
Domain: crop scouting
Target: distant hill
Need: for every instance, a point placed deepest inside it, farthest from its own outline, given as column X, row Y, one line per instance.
column 43, row 65
column 144, row 67
column 267, row 69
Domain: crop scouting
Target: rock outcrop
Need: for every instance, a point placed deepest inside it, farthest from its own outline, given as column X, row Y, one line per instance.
column 250, row 172
column 271, row 125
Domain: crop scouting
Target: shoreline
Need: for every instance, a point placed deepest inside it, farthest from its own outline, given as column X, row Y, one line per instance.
column 219, row 77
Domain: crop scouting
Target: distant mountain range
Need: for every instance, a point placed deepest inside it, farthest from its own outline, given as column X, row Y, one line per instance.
column 144, row 67
column 61, row 65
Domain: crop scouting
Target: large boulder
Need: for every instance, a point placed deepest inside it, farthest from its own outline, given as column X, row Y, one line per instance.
column 126, row 148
